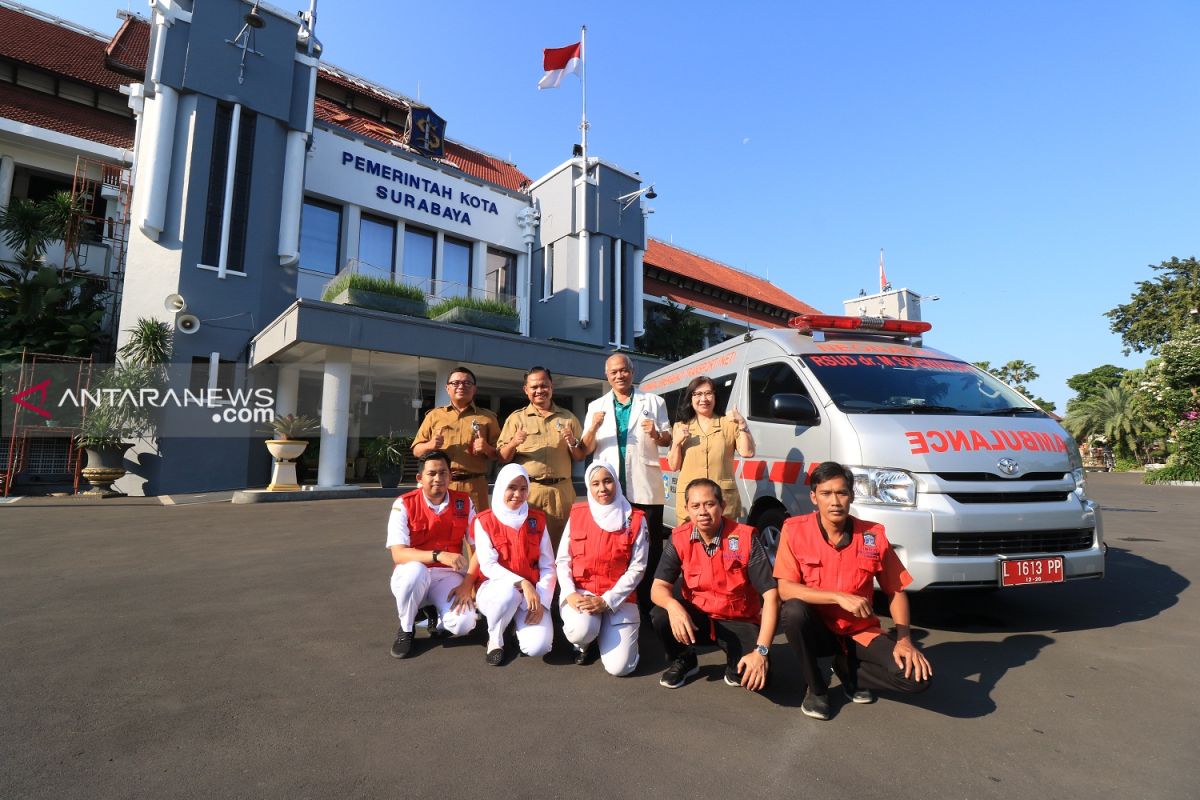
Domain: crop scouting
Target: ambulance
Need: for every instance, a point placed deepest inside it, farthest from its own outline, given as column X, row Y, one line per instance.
column 975, row 485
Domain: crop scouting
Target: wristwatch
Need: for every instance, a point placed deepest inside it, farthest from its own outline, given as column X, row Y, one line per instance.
column 762, row 650
column 436, row 554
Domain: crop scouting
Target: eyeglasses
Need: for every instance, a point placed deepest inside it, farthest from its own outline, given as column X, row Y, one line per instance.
column 457, row 384
column 702, row 395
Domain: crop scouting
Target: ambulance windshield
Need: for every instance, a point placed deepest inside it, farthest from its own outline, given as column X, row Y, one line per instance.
column 891, row 384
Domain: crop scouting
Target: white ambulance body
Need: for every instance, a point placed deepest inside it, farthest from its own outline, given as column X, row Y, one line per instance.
column 974, row 484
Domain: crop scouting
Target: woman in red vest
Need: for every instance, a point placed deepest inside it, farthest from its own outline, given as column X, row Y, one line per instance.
column 601, row 561
column 513, row 549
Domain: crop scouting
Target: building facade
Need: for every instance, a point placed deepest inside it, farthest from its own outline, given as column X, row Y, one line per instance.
column 268, row 184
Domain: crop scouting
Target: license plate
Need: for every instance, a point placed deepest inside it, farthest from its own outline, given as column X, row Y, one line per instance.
column 1024, row 571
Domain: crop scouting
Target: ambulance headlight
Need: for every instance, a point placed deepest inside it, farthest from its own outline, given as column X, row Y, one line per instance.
column 893, row 487
column 1080, row 482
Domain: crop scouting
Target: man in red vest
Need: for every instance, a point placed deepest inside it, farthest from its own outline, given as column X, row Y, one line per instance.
column 827, row 566
column 426, row 531
column 725, row 595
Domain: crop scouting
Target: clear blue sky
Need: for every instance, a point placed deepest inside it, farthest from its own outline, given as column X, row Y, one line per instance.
column 1022, row 160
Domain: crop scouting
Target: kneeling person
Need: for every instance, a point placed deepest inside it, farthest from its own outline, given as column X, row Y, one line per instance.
column 426, row 532
column 726, row 595
column 601, row 561
column 827, row 565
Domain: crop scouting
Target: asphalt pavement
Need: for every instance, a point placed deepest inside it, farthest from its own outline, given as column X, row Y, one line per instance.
column 218, row 650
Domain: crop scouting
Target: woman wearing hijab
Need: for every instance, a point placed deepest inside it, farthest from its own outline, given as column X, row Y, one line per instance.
column 513, row 548
column 601, row 560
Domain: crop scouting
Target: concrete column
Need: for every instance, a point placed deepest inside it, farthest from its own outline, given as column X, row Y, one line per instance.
column 287, row 390
column 7, row 168
column 440, row 396
column 523, row 285
column 439, row 270
column 351, row 219
column 335, row 418
column 479, row 269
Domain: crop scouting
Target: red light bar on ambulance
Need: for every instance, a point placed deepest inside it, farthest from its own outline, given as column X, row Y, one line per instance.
column 807, row 323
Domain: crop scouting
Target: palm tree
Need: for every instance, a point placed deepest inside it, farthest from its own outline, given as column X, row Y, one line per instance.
column 1111, row 414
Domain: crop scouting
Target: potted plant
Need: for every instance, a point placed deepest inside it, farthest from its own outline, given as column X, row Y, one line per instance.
column 367, row 291
column 286, row 447
column 388, row 455
column 107, row 429
column 481, row 313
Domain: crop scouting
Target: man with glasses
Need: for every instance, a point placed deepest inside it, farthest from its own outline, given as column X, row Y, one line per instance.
column 626, row 427
column 466, row 433
column 544, row 439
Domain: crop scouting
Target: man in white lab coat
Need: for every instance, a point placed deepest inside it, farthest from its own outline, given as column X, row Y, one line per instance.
column 626, row 427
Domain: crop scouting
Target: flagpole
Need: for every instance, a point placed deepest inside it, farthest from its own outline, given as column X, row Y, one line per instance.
column 583, row 92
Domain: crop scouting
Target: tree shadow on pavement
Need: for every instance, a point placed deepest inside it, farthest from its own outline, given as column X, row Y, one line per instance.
column 1134, row 588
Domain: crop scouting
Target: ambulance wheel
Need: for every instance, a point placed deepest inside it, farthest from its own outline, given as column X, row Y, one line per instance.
column 769, row 525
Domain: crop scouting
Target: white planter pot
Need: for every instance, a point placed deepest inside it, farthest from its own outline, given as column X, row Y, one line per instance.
column 283, row 474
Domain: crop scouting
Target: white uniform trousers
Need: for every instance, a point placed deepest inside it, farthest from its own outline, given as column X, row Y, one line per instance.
column 617, row 631
column 416, row 585
column 501, row 602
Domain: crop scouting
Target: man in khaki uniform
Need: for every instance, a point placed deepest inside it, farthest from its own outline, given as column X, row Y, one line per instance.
column 544, row 439
column 466, row 433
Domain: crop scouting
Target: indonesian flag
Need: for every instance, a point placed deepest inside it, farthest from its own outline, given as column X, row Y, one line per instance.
column 558, row 61
column 882, row 275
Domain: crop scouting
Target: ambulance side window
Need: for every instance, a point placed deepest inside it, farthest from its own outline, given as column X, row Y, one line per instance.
column 671, row 400
column 768, row 380
column 724, row 384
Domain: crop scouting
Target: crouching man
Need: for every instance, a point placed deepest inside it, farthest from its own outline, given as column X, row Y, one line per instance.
column 827, row 565
column 426, row 534
column 726, row 595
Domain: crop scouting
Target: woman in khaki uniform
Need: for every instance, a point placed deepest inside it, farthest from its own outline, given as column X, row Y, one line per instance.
column 703, row 445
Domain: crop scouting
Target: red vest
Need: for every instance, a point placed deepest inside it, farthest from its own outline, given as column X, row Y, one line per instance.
column 719, row 585
column 517, row 551
column 852, row 569
column 428, row 530
column 598, row 557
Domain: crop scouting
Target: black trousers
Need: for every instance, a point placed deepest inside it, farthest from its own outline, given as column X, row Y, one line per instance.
column 654, row 533
column 871, row 667
column 735, row 638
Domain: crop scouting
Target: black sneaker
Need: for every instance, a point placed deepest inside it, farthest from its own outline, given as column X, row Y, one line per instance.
column 841, row 668
column 495, row 657
column 682, row 668
column 402, row 647
column 732, row 678
column 431, row 623
column 815, row 706
column 581, row 656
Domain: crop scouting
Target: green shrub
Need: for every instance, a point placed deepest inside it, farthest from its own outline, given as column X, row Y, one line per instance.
column 1126, row 465
column 367, row 283
column 1173, row 472
column 477, row 304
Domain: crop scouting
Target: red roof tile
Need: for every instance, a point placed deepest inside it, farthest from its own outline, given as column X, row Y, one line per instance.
column 56, row 49
column 472, row 162
column 697, row 267
column 687, row 297
column 127, row 51
column 65, row 116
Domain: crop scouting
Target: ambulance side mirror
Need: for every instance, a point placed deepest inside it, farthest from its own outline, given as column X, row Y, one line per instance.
column 795, row 408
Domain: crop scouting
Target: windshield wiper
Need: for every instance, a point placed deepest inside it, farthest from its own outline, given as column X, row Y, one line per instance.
column 915, row 409
column 1014, row 410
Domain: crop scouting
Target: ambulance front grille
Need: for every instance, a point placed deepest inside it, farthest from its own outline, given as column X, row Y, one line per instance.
column 1009, row 543
column 1009, row 497
column 988, row 476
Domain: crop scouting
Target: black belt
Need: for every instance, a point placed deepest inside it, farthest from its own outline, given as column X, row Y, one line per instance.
column 465, row 476
column 547, row 481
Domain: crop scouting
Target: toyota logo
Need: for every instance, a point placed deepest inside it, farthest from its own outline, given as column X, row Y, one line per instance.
column 1008, row 466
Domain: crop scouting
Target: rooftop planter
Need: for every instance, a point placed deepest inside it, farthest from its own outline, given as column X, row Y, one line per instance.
column 380, row 294
column 492, row 314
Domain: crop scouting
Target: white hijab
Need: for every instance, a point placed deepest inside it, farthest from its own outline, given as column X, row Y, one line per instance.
column 609, row 517
column 508, row 517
